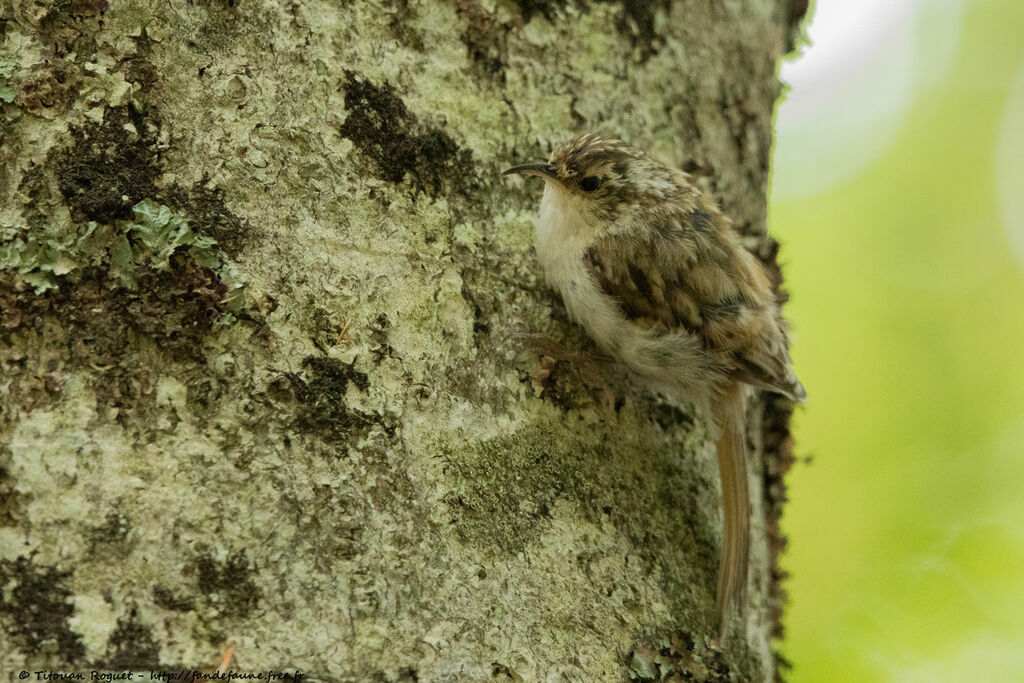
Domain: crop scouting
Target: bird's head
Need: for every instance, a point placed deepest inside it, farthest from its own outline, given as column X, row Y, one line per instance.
column 602, row 178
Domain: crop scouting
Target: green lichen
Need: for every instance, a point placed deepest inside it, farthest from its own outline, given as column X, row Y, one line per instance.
column 153, row 236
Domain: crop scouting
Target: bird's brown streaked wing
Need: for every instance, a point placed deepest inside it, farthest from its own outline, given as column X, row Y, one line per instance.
column 688, row 272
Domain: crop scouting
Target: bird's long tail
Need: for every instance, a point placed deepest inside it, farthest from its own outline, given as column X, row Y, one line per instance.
column 732, row 466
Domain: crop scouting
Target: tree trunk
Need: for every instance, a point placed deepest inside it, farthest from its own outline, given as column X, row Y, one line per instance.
column 260, row 281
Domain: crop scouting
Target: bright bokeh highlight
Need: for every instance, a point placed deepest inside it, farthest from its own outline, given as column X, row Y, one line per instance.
column 898, row 195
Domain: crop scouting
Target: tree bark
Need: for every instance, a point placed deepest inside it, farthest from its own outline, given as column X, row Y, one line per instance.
column 260, row 284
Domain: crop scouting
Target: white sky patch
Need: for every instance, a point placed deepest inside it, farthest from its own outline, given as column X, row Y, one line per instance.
column 851, row 88
column 1009, row 160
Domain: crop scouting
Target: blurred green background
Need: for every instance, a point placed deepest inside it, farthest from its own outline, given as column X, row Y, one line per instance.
column 898, row 195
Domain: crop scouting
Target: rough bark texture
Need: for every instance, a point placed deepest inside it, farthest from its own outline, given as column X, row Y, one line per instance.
column 258, row 277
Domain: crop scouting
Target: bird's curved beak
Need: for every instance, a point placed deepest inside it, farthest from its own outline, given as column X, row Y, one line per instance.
column 541, row 170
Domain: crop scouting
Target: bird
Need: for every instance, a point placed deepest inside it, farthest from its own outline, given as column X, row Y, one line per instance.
column 657, row 275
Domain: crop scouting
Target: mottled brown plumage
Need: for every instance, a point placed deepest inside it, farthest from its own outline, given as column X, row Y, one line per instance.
column 668, row 275
column 657, row 275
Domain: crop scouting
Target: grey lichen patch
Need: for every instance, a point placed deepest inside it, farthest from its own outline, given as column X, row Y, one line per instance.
column 338, row 534
column 634, row 19
column 399, row 144
column 217, row 25
column 35, row 609
column 678, row 657
column 8, row 81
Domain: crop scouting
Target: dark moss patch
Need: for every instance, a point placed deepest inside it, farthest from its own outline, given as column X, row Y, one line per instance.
column 136, row 269
column 175, row 308
column 50, row 84
column 399, row 144
column 61, row 26
column 549, row 9
column 11, row 501
column 321, row 390
column 35, row 609
column 204, row 207
column 231, row 581
column 485, row 40
column 778, row 459
column 131, row 646
column 329, row 377
column 380, row 348
column 111, row 165
column 138, row 68
column 165, row 598
column 797, row 10
column 635, row 20
column 113, row 531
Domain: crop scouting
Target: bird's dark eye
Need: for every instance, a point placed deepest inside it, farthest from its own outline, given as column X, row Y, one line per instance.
column 589, row 184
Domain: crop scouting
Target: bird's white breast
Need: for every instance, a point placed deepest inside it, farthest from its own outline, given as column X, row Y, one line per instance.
column 562, row 241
